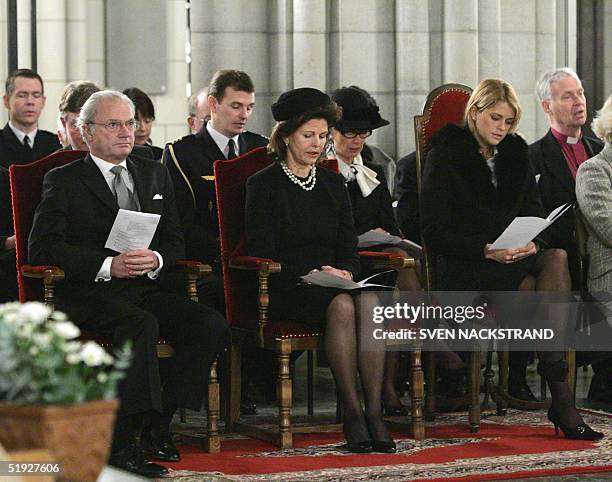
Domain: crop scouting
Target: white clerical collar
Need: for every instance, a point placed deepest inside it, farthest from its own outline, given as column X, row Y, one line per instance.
column 21, row 135
column 221, row 140
column 572, row 140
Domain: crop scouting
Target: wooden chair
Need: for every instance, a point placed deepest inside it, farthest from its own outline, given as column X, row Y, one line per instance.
column 246, row 281
column 444, row 105
column 37, row 283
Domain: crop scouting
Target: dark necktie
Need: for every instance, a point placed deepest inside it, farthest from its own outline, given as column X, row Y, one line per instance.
column 125, row 199
column 231, row 152
column 26, row 143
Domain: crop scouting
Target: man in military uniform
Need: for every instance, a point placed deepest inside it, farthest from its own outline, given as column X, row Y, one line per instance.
column 231, row 98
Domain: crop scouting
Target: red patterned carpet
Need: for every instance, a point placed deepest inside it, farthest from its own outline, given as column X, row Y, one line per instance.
column 521, row 444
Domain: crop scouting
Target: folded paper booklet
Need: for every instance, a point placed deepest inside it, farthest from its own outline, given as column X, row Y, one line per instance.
column 523, row 229
column 378, row 238
column 132, row 230
column 328, row 280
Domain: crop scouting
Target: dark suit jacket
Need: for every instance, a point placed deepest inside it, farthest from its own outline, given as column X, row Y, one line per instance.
column 13, row 152
column 77, row 211
column 190, row 162
column 374, row 211
column 407, row 195
column 557, row 187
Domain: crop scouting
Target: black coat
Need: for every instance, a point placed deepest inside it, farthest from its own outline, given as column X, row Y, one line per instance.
column 190, row 162
column 557, row 186
column 301, row 229
column 375, row 210
column 13, row 152
column 462, row 211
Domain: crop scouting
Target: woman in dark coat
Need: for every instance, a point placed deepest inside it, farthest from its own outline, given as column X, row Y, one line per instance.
column 301, row 216
column 370, row 198
column 476, row 181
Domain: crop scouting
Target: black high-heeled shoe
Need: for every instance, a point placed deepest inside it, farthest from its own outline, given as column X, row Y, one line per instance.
column 580, row 432
column 359, row 447
column 401, row 411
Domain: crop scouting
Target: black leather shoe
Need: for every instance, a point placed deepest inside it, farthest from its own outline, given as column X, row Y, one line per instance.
column 248, row 407
column 363, row 447
column 519, row 389
column 159, row 446
column 131, row 459
column 385, row 447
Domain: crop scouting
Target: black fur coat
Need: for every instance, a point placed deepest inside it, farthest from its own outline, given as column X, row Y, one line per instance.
column 461, row 209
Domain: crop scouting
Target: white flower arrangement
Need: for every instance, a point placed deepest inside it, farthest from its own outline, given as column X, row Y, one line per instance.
column 41, row 362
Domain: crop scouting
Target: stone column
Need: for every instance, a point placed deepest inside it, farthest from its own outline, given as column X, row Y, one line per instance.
column 232, row 34
column 76, row 40
column 460, row 41
column 52, row 59
column 414, row 63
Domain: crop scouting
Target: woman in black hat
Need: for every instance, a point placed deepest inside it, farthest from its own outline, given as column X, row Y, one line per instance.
column 301, row 216
column 370, row 197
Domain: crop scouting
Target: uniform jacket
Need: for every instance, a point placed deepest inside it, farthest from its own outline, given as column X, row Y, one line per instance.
column 594, row 193
column 14, row 152
column 77, row 211
column 190, row 162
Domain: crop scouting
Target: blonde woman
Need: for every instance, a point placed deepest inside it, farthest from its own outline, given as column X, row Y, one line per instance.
column 477, row 179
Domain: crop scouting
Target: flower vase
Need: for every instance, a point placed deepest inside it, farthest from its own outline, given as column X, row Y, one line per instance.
column 77, row 436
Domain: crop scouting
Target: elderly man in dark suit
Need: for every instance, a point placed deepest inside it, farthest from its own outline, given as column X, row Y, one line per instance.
column 557, row 155
column 556, row 158
column 21, row 141
column 118, row 294
column 231, row 98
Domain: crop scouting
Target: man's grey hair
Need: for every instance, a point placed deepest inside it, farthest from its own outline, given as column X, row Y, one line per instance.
column 192, row 104
column 90, row 108
column 543, row 85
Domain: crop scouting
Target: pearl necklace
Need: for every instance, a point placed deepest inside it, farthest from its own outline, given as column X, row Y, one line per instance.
column 308, row 184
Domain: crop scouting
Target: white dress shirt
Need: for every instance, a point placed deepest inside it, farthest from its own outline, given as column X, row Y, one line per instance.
column 223, row 141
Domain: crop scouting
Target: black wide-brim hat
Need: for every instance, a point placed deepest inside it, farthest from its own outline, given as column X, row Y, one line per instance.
column 359, row 110
column 294, row 102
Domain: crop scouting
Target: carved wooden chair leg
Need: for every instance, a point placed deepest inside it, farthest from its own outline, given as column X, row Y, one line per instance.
column 213, row 442
column 430, row 385
column 502, row 380
column 284, row 394
column 489, row 376
column 310, row 378
column 232, row 415
column 571, row 366
column 416, row 395
column 474, row 386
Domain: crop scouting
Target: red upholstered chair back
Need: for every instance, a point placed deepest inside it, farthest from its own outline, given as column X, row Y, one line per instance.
column 230, row 181
column 26, row 188
column 445, row 104
column 331, row 164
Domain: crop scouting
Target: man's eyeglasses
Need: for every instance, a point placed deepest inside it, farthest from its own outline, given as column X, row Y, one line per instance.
column 353, row 134
column 114, row 126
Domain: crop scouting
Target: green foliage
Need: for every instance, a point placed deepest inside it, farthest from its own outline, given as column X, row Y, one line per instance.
column 42, row 363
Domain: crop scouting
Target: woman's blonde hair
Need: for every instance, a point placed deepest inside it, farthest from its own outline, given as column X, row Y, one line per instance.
column 487, row 94
column 602, row 124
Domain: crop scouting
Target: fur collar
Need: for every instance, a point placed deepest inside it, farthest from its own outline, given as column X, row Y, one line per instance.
column 458, row 148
